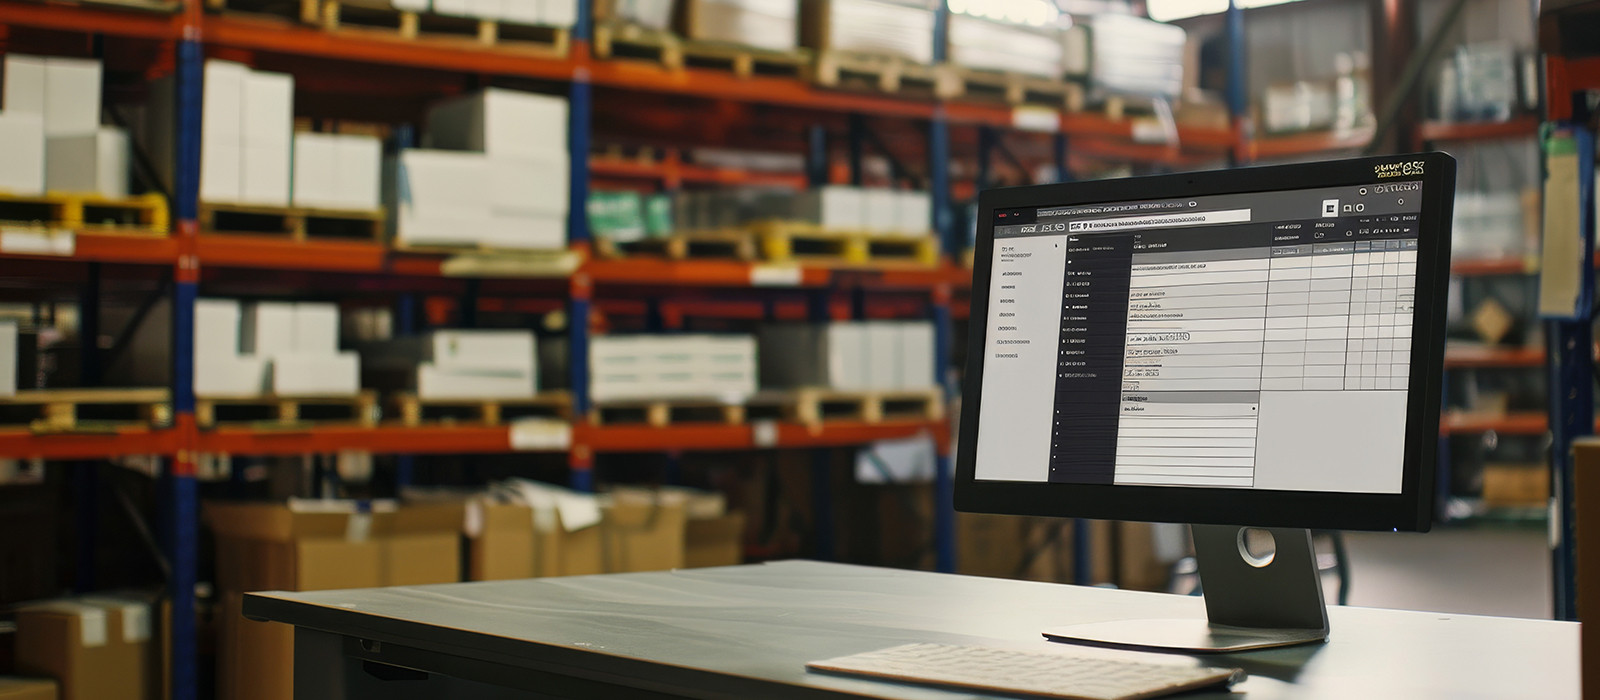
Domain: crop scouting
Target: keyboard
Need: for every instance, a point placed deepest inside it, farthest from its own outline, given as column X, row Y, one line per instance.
column 1038, row 674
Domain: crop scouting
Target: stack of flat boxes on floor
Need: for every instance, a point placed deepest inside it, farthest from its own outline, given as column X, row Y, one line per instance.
column 50, row 132
column 97, row 647
column 284, row 349
column 849, row 355
column 249, row 153
column 309, row 546
column 495, row 174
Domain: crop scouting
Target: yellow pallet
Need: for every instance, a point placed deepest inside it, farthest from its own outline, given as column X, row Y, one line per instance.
column 783, row 241
column 62, row 410
column 87, row 211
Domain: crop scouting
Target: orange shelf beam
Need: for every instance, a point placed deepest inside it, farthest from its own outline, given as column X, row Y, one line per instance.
column 629, row 438
column 1492, row 266
column 1478, row 131
column 282, row 252
column 1521, row 423
column 23, row 444
column 1491, row 357
column 1307, row 144
column 387, row 439
column 154, row 23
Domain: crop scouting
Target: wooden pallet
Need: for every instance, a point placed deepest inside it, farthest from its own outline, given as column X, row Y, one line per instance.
column 625, row 40
column 814, row 406
column 415, row 410
column 298, row 223
column 848, row 70
column 299, row 10
column 286, row 411
column 699, row 245
column 795, row 242
column 87, row 410
column 745, row 61
column 659, row 413
column 144, row 214
column 161, row 6
column 379, row 18
column 1011, row 88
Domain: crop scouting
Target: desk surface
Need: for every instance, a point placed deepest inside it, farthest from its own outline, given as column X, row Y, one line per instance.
column 749, row 630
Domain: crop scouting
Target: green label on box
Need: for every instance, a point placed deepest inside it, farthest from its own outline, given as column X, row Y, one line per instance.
column 617, row 216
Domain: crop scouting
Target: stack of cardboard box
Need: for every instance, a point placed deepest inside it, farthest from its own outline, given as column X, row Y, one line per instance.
column 848, row 355
column 624, row 367
column 337, row 171
column 102, row 647
column 451, row 364
column 271, row 348
column 898, row 28
column 50, row 130
column 1024, row 38
column 773, row 25
column 314, row 545
column 495, row 173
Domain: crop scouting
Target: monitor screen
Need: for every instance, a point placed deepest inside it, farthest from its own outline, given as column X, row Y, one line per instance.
column 1257, row 340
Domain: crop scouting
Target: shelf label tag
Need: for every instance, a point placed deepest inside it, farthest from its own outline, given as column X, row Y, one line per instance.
column 1035, row 118
column 775, row 275
column 37, row 241
column 540, row 434
column 764, row 433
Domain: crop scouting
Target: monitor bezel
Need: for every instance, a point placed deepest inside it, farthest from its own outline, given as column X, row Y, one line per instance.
column 1410, row 510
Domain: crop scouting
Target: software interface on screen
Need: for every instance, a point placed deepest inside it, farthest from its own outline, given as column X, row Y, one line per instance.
column 1257, row 341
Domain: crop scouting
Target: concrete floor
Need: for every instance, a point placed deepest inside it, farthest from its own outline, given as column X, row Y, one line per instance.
column 1479, row 570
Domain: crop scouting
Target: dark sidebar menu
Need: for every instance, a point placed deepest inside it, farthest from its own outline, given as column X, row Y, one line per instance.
column 1094, row 324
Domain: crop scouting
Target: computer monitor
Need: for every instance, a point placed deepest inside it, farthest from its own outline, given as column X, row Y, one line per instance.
column 1257, row 347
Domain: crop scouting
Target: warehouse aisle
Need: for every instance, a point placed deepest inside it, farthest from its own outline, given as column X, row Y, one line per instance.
column 1481, row 571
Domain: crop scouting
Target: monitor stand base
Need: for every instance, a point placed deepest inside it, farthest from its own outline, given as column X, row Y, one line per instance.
column 1251, row 602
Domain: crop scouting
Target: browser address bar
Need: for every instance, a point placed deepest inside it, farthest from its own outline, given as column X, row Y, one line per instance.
column 1123, row 223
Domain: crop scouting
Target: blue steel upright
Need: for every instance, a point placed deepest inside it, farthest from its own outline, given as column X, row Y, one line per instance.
column 944, row 537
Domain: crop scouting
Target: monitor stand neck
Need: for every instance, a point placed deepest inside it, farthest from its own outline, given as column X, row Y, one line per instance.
column 1249, row 604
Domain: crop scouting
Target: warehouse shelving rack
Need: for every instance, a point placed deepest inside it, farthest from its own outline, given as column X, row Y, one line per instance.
column 186, row 36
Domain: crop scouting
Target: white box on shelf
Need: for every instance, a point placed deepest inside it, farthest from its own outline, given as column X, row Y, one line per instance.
column 8, row 358
column 216, row 327
column 558, row 13
column 265, row 178
column 266, row 328
column 916, row 355
column 24, row 84
column 316, row 328
column 523, row 12
column 94, row 162
column 883, row 355
column 411, row 5
column 432, row 183
column 487, row 9
column 765, row 24
column 71, row 96
column 222, row 100
column 22, row 141
column 221, row 168
column 880, row 210
column 529, row 185
column 436, row 383
column 359, row 171
column 315, row 182
column 502, row 350
column 525, row 232
column 835, row 207
column 317, row 374
column 230, row 375
column 913, row 212
column 845, row 349
column 455, row 8
column 500, row 123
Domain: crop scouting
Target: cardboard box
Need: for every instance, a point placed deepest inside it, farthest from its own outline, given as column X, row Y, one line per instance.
column 433, row 382
column 95, row 652
column 316, row 374
column 221, row 168
column 522, row 11
column 268, row 109
column 231, row 375
column 24, row 84
column 558, row 13
column 360, row 171
column 315, row 180
column 880, row 210
column 883, row 355
column 441, row 184
column 1516, row 485
column 266, row 174
column 255, row 660
column 917, row 369
column 96, row 162
column 527, row 185
column 501, row 123
column 304, row 546
column 715, row 541
column 22, row 139
column 767, row 24
column 316, row 328
column 511, row 351
column 501, row 545
column 14, row 688
column 71, row 96
column 222, row 131
column 643, row 530
column 913, row 213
